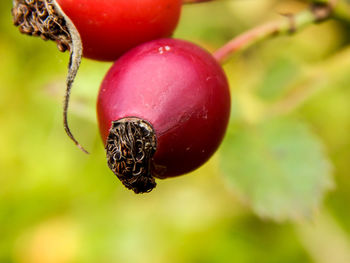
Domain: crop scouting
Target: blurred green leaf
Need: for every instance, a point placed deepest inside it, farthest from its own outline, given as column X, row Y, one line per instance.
column 278, row 167
column 278, row 76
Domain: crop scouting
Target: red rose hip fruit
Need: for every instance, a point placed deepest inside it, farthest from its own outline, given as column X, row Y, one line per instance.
column 108, row 28
column 163, row 109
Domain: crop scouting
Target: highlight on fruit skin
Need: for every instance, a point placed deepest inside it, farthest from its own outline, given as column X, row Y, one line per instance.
column 163, row 109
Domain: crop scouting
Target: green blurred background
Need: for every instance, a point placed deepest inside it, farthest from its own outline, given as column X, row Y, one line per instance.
column 58, row 205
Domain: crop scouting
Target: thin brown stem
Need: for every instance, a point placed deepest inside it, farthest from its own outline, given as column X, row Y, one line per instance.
column 288, row 25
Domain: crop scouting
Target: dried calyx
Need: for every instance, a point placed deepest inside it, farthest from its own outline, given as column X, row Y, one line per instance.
column 46, row 19
column 40, row 18
column 130, row 146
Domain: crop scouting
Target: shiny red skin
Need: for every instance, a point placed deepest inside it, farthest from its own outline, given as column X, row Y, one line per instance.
column 177, row 87
column 109, row 28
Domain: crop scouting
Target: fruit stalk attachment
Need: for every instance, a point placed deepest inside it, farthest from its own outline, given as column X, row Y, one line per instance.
column 290, row 24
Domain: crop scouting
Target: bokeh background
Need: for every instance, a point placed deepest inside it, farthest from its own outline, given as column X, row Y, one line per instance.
column 290, row 94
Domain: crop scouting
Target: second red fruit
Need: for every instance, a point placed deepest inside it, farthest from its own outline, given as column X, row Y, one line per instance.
column 163, row 109
column 108, row 28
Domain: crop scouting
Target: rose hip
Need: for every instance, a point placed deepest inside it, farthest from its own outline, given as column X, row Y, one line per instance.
column 108, row 28
column 163, row 109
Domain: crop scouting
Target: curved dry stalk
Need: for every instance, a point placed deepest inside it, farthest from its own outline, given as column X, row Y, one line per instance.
column 46, row 19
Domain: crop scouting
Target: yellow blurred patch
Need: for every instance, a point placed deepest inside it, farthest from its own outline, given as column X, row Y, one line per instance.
column 53, row 241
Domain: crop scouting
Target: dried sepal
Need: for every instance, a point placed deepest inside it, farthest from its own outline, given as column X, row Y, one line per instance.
column 41, row 18
column 45, row 19
column 130, row 146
